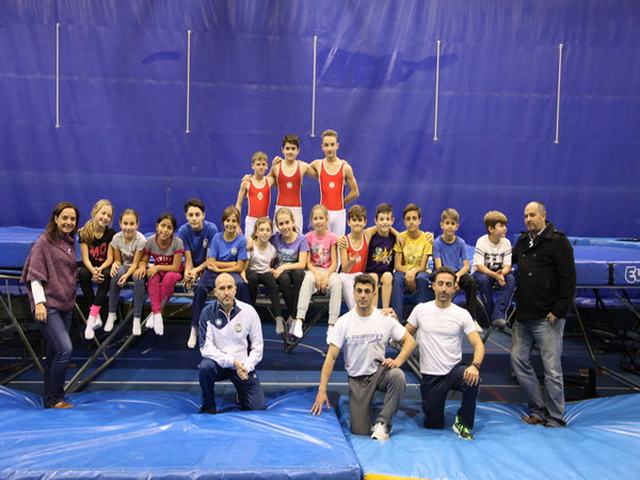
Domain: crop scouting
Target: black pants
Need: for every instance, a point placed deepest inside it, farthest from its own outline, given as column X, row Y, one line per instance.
column 290, row 282
column 468, row 285
column 267, row 279
column 86, row 285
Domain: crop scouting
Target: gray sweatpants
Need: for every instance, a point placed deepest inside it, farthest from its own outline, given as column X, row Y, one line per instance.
column 308, row 288
column 361, row 391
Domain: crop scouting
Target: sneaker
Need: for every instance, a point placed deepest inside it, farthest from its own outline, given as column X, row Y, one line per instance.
column 329, row 330
column 533, row 420
column 554, row 422
column 137, row 329
column 279, row 325
column 379, row 432
column 158, row 324
column 111, row 319
column 62, row 404
column 97, row 322
column 499, row 323
column 193, row 338
column 478, row 327
column 461, row 429
column 296, row 328
column 89, row 334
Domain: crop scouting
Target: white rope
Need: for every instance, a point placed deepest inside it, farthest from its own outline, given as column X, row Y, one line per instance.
column 313, row 87
column 188, row 100
column 57, row 75
column 560, row 47
column 437, row 93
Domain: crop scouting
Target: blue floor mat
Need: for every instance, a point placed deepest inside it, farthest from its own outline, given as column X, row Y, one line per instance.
column 601, row 440
column 159, row 435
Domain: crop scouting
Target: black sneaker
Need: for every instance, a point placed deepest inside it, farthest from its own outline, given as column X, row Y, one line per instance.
column 461, row 429
column 554, row 422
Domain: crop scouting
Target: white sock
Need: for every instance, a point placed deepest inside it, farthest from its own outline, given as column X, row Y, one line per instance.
column 97, row 322
column 137, row 330
column 158, row 324
column 111, row 319
column 88, row 331
column 193, row 338
column 296, row 328
column 149, row 322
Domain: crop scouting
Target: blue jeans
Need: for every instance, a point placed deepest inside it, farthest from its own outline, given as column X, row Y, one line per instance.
column 423, row 292
column 504, row 294
column 58, row 352
column 549, row 340
column 138, row 293
column 205, row 284
column 250, row 394
column 434, row 390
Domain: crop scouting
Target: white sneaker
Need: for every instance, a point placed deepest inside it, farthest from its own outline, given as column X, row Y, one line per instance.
column 137, row 329
column 296, row 328
column 478, row 327
column 158, row 324
column 379, row 432
column 149, row 323
column 193, row 338
column 97, row 322
column 111, row 319
column 329, row 330
column 89, row 334
column 279, row 325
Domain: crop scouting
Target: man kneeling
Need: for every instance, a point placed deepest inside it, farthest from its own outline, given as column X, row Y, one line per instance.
column 227, row 329
column 440, row 325
column 365, row 333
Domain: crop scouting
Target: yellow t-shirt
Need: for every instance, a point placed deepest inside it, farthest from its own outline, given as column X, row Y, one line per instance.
column 413, row 249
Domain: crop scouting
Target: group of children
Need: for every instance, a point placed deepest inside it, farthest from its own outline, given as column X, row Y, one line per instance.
column 279, row 257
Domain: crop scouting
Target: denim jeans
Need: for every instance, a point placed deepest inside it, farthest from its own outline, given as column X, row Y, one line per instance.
column 250, row 394
column 423, row 292
column 58, row 352
column 504, row 294
column 548, row 337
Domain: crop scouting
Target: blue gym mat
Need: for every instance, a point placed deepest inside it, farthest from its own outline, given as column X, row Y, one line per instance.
column 159, row 435
column 601, row 440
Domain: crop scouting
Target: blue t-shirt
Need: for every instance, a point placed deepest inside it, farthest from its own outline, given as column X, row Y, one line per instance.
column 232, row 251
column 289, row 252
column 453, row 254
column 197, row 242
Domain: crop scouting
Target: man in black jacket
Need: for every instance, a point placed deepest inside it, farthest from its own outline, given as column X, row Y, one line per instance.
column 546, row 282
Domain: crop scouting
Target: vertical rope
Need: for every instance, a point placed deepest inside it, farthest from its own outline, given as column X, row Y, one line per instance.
column 57, row 75
column 437, row 93
column 313, row 87
column 560, row 47
column 187, row 128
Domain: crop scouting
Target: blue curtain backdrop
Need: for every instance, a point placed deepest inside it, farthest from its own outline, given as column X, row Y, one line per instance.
column 123, row 88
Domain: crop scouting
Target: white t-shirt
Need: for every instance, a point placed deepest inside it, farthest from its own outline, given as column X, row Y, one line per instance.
column 260, row 260
column 439, row 335
column 364, row 340
column 491, row 255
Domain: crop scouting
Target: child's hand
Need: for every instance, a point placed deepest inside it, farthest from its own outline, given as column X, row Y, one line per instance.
column 410, row 279
column 98, row 277
column 152, row 270
column 500, row 279
column 246, row 178
column 277, row 272
column 140, row 272
column 321, row 281
column 243, row 275
column 115, row 266
column 277, row 160
column 123, row 280
column 342, row 242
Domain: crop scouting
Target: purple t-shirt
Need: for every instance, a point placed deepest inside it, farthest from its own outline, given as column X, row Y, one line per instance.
column 320, row 248
column 381, row 255
column 289, row 252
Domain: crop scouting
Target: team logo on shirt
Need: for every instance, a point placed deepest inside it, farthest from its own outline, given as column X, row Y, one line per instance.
column 260, row 196
column 289, row 185
column 234, row 251
column 218, row 322
column 358, row 258
column 205, row 243
column 238, row 328
column 332, row 185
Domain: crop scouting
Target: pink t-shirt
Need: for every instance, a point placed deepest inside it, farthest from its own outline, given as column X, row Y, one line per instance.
column 320, row 248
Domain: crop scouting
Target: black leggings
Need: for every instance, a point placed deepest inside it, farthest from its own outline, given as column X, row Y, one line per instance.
column 86, row 285
column 267, row 279
column 290, row 282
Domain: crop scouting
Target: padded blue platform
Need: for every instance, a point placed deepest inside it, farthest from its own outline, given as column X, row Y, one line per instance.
column 602, row 441
column 159, row 435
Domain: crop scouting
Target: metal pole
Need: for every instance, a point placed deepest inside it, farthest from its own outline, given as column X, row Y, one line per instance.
column 437, row 92
column 313, row 87
column 560, row 47
column 57, row 75
column 187, row 128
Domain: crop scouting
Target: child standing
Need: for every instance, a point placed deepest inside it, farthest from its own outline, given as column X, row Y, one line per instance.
column 262, row 255
column 354, row 257
column 449, row 250
column 412, row 252
column 492, row 265
column 166, row 251
column 321, row 273
column 257, row 189
column 97, row 255
column 197, row 234
column 127, row 245
column 292, row 248
column 227, row 253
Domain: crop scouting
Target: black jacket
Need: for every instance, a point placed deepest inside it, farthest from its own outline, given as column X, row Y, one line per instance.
column 546, row 276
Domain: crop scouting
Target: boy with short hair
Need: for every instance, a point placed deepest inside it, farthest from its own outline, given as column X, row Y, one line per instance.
column 332, row 173
column 353, row 256
column 412, row 252
column 381, row 256
column 257, row 189
column 196, row 235
column 492, row 266
column 450, row 251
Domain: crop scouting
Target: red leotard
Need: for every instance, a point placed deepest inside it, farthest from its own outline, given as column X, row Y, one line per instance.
column 332, row 188
column 258, row 199
column 289, row 188
column 361, row 263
